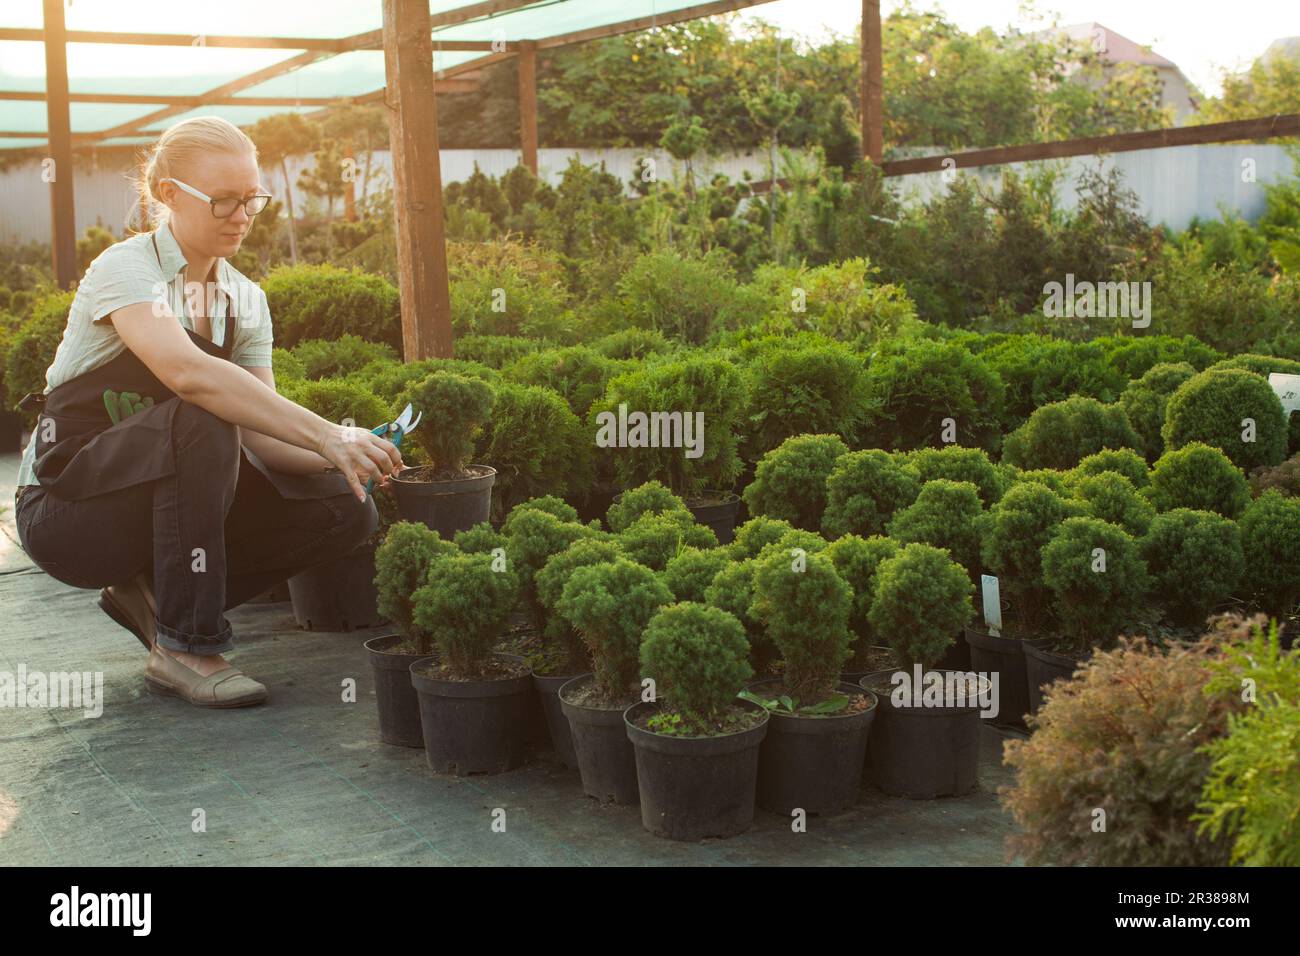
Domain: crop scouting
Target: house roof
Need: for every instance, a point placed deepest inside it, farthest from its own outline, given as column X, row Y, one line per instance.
column 1118, row 48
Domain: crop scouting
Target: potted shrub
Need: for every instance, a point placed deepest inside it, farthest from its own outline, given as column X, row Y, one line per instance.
column 732, row 590
column 1145, row 399
column 1195, row 561
column 652, row 497
column 1209, row 407
column 609, row 604
column 1199, row 477
column 925, row 742
column 447, row 494
column 1270, row 539
column 857, row 559
column 790, row 480
column 654, row 540
column 473, row 704
column 864, row 490
column 697, row 744
column 692, row 570
column 401, row 563
column 340, row 595
column 1060, row 434
column 816, row 742
column 1111, row 497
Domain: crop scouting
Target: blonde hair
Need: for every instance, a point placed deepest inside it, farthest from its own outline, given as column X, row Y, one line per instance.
column 180, row 145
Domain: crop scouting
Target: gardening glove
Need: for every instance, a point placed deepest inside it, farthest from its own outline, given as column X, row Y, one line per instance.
column 125, row 404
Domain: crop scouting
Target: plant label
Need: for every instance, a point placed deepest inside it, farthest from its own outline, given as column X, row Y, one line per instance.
column 992, row 604
column 1288, row 390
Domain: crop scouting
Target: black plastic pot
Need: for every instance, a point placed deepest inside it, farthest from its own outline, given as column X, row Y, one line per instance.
column 601, row 747
column 956, row 657
column 696, row 787
column 923, row 752
column 1004, row 656
column 719, row 514
column 446, row 506
column 813, row 763
column 472, row 726
column 853, row 677
column 1043, row 667
column 338, row 595
column 548, row 694
column 399, row 706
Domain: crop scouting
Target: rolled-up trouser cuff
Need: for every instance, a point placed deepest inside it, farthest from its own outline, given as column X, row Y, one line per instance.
column 175, row 640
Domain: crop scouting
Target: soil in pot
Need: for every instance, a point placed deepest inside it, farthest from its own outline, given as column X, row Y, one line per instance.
column 716, row 510
column 338, row 595
column 1003, row 655
column 473, row 726
column 1044, row 667
column 814, row 763
column 606, row 760
column 445, row 502
column 697, row 787
column 923, row 750
column 399, row 706
column 869, row 660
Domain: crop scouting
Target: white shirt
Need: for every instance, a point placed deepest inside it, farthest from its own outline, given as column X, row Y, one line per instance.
column 129, row 272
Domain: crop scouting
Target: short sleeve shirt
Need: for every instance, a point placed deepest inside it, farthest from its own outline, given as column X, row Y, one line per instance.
column 130, row 272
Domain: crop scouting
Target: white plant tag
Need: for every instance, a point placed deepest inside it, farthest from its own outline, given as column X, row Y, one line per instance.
column 992, row 604
column 1288, row 390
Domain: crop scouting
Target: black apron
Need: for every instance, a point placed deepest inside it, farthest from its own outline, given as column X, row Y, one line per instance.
column 92, row 456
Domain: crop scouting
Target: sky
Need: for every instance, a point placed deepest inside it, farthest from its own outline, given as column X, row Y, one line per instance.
column 1202, row 36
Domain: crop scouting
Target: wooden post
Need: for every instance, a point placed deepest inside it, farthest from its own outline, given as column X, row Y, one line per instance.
column 417, row 181
column 527, row 60
column 873, row 131
column 63, row 210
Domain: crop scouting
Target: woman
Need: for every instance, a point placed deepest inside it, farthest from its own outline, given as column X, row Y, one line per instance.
column 163, row 462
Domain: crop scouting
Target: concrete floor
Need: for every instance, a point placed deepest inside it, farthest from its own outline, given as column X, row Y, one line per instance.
column 303, row 780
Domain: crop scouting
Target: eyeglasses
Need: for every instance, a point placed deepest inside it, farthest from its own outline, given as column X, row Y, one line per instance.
column 225, row 207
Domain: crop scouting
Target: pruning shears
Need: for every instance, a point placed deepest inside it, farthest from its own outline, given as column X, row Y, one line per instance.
column 395, row 430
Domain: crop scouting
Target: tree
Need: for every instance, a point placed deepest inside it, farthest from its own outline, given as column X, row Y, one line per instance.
column 278, row 137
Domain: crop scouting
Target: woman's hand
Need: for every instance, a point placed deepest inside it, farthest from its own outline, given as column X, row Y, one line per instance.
column 360, row 455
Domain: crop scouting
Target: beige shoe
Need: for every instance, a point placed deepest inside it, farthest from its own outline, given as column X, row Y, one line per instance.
column 226, row 688
column 132, row 606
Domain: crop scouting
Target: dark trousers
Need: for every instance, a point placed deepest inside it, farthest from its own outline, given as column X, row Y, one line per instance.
column 216, row 533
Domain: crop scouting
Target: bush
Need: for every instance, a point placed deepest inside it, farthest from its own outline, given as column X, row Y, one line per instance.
column 922, row 600
column 804, row 605
column 1112, row 498
column 1262, row 365
column 864, row 490
column 1061, row 434
column 1037, row 370
column 1145, row 400
column 1199, row 477
column 1270, row 540
column 790, row 482
column 1012, row 536
column 32, row 347
column 1285, row 479
column 756, row 534
column 1132, row 356
column 803, row 390
column 649, row 498
column 654, row 540
column 455, row 407
column 337, row 402
column 465, row 605
column 696, row 657
column 389, row 379
column 959, row 464
column 912, row 393
column 533, row 536
column 548, row 503
column 507, row 296
column 548, row 585
column 946, row 514
column 1097, row 578
column 1123, row 736
column 1211, row 407
column 632, row 344
column 686, row 300
column 857, row 560
column 496, row 351
column 576, row 372
column 326, row 302
column 687, row 574
column 1195, row 560
column 482, row 538
column 287, row 365
column 732, row 590
column 1120, row 461
column 401, row 566
column 323, row 358
column 610, row 605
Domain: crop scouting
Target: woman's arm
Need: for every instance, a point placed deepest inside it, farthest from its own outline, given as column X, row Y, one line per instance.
column 278, row 454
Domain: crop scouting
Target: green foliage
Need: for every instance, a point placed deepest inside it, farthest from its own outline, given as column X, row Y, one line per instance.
column 804, row 605
column 401, row 566
column 1270, row 540
column 532, row 537
column 756, row 534
column 685, row 299
column 856, row 560
column 326, row 302
column 549, row 582
column 610, row 605
column 865, row 489
column 957, row 463
column 1195, row 560
column 1124, row 737
column 1285, row 478
column 322, row 358
column 1210, row 407
column 1199, row 477
column 732, row 590
column 818, row 389
column 1112, row 498
column 482, row 538
column 454, row 406
column 655, row 539
column 687, row 574
column 1097, row 579
column 1132, row 356
column 632, row 344
column 287, row 365
column 1038, row 370
column 464, row 605
column 1061, row 434
column 1120, row 461
column 652, row 497
column 496, row 351
column 790, row 482
column 922, row 600
column 337, row 401
column 1145, row 400
column 32, row 347
column 576, row 372
column 1012, row 536
column 946, row 514
column 507, row 288
column 548, row 503
column 695, row 654
column 389, row 379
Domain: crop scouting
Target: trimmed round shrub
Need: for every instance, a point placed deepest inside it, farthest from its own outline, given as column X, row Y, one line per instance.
column 1270, row 540
column 578, row 373
column 687, row 574
column 790, row 481
column 1097, row 579
column 322, row 358
column 913, row 392
column 548, row 503
column 1195, row 560
column 1144, row 401
column 1258, row 364
column 652, row 497
column 945, row 514
column 500, row 298
column 696, row 655
column 454, row 407
column 756, row 534
column 1199, row 477
column 1112, row 497
column 732, row 590
column 804, row 605
column 1121, row 461
column 959, row 464
column 464, row 605
column 1057, row 481
column 482, row 538
column 654, row 540
column 389, row 379
column 1061, row 434
column 401, row 566
column 532, row 538
column 803, row 391
column 496, row 351
column 685, row 299
column 326, row 302
column 809, row 541
column 632, row 344
column 857, row 559
column 570, row 654
column 338, row 401
column 1037, row 370
column 922, row 600
column 864, row 490
column 1211, row 407
column 1135, row 355
column 1012, row 536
